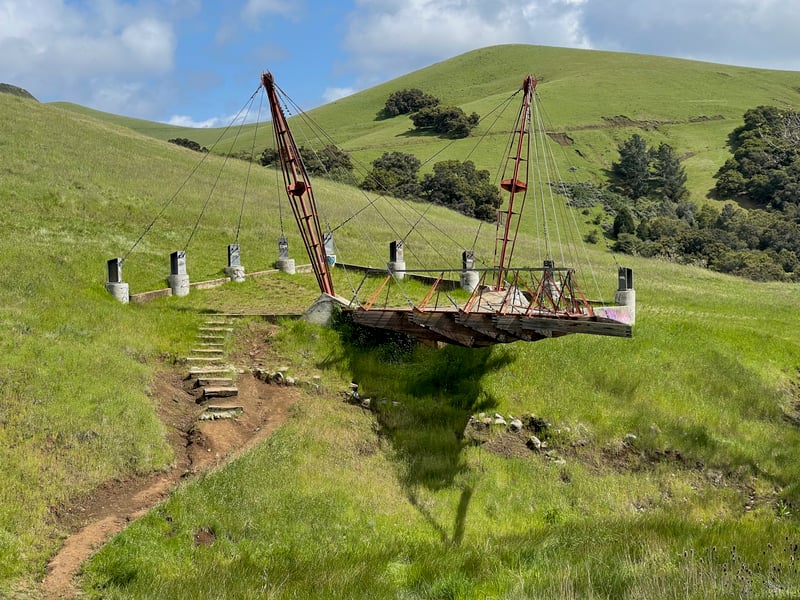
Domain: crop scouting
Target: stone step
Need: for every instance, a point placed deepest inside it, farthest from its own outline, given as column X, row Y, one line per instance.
column 210, row 371
column 212, row 413
column 206, row 381
column 214, row 328
column 208, row 351
column 220, row 391
column 211, row 344
column 204, row 360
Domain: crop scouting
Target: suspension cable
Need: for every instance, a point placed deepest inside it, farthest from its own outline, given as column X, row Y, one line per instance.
column 222, row 167
column 183, row 184
column 249, row 165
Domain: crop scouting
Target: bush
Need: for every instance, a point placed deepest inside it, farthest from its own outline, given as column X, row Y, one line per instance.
column 187, row 143
column 462, row 187
column 407, row 101
column 394, row 173
column 449, row 121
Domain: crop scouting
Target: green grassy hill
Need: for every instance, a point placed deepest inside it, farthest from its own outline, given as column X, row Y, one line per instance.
column 690, row 105
column 395, row 503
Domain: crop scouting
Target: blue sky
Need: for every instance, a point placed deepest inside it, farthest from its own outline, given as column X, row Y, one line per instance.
column 195, row 62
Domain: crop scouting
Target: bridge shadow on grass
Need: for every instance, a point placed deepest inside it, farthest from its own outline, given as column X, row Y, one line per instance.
column 423, row 398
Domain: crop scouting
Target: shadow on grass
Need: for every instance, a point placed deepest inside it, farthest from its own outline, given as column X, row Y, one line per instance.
column 423, row 398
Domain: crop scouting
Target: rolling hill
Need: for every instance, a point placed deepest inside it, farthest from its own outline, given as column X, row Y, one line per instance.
column 672, row 458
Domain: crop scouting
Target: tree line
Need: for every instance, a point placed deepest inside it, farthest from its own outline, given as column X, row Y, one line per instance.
column 653, row 215
column 454, row 184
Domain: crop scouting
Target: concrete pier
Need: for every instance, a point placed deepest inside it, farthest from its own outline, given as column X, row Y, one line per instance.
column 625, row 294
column 284, row 264
column 397, row 263
column 178, row 279
column 234, row 270
column 114, row 284
column 469, row 278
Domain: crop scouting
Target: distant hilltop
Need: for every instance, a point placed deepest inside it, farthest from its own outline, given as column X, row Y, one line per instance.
column 7, row 88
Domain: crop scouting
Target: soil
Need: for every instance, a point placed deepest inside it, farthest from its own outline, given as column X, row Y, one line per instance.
column 198, row 445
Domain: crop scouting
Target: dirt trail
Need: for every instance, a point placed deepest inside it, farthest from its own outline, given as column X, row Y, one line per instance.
column 198, row 445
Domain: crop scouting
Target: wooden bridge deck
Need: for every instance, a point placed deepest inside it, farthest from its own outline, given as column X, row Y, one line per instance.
column 485, row 328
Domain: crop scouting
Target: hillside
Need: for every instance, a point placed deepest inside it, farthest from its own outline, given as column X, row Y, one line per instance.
column 7, row 88
column 691, row 105
column 672, row 458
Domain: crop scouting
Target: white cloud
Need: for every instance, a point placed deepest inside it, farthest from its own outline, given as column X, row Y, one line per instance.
column 236, row 120
column 94, row 54
column 184, row 121
column 759, row 33
column 335, row 93
column 254, row 9
column 388, row 36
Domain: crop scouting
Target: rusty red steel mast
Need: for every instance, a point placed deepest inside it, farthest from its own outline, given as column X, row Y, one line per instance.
column 508, row 220
column 298, row 189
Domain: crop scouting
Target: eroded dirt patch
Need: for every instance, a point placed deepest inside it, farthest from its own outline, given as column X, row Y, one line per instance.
column 91, row 521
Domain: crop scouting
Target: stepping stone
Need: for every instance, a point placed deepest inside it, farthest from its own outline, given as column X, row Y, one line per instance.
column 203, row 359
column 205, row 381
column 222, row 391
column 217, row 329
column 208, row 351
column 210, row 370
column 212, row 413
column 211, row 345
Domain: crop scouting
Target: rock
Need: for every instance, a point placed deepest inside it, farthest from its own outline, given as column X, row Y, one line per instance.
column 290, row 381
column 515, row 425
column 534, row 443
column 366, row 402
column 537, row 424
column 629, row 438
column 499, row 420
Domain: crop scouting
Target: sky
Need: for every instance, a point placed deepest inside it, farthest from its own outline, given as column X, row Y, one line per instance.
column 196, row 62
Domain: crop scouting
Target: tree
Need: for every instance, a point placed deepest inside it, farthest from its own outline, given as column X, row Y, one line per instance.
column 187, row 143
column 394, row 173
column 623, row 222
column 765, row 166
column 407, row 101
column 669, row 177
column 268, row 156
column 632, row 172
column 330, row 161
column 462, row 187
column 449, row 121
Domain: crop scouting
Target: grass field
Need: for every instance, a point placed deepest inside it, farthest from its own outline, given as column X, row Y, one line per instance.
column 394, row 503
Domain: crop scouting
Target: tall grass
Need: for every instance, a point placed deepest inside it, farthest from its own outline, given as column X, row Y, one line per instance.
column 394, row 503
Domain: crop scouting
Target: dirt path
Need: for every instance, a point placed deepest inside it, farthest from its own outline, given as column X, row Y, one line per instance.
column 198, row 445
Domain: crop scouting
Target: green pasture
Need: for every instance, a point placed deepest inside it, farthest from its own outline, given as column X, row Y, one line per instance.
column 393, row 502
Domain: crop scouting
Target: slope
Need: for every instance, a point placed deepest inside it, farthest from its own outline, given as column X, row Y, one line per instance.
column 690, row 105
column 711, row 375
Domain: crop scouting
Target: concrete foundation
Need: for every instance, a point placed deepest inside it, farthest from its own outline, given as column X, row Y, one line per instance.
column 235, row 273
column 627, row 298
column 469, row 280
column 398, row 267
column 285, row 265
column 179, row 284
column 120, row 291
column 321, row 311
